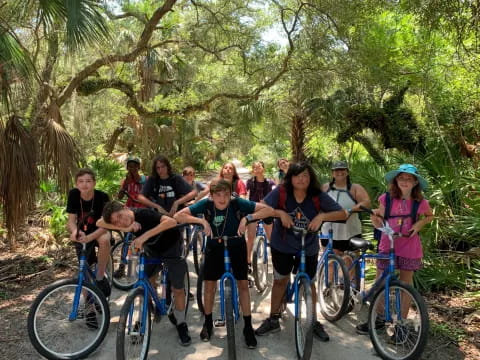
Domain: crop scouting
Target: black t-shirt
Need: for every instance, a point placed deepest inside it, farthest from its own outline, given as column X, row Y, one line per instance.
column 88, row 212
column 149, row 219
column 164, row 192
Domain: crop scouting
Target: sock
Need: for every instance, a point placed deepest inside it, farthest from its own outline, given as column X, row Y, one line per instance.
column 179, row 315
column 209, row 320
column 247, row 320
column 98, row 277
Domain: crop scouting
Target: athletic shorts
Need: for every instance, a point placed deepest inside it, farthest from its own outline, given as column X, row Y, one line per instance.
column 284, row 264
column 214, row 262
column 401, row 263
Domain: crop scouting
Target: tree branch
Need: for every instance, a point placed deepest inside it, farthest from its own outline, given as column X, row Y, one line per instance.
column 141, row 46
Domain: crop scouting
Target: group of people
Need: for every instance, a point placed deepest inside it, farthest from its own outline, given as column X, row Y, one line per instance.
column 158, row 202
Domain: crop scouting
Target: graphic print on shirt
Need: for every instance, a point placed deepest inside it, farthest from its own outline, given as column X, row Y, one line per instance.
column 299, row 218
column 165, row 192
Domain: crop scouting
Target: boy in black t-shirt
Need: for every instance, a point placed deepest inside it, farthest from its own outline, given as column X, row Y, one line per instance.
column 154, row 231
column 84, row 208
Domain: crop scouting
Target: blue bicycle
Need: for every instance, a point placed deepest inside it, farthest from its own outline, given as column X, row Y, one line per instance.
column 398, row 317
column 333, row 282
column 70, row 318
column 125, row 275
column 260, row 258
column 300, row 293
column 141, row 306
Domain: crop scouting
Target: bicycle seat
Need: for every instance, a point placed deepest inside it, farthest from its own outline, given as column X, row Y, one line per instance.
column 361, row 244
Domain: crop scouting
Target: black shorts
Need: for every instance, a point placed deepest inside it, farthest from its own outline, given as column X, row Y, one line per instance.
column 155, row 249
column 214, row 262
column 90, row 249
column 284, row 264
column 340, row 245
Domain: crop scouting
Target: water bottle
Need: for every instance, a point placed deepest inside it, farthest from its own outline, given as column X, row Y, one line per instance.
column 132, row 260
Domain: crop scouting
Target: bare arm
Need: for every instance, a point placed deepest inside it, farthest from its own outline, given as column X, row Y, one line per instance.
column 182, row 200
column 147, row 202
column 261, row 211
column 185, row 216
column 361, row 196
column 134, row 227
column 327, row 216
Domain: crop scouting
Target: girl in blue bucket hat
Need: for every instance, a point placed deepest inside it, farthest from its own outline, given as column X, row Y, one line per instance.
column 404, row 192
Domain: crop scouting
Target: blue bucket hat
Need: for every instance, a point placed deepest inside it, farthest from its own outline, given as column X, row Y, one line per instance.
column 408, row 169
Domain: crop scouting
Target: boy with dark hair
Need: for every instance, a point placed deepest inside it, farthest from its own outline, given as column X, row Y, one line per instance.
column 132, row 184
column 222, row 218
column 84, row 208
column 161, row 241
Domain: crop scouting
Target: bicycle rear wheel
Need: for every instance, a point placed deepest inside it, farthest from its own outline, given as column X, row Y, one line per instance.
column 197, row 250
column 230, row 320
column 403, row 337
column 334, row 291
column 260, row 263
column 354, row 274
column 304, row 320
column 54, row 335
column 133, row 339
column 124, row 276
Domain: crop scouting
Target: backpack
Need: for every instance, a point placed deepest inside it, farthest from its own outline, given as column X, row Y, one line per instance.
column 282, row 199
column 210, row 210
column 349, row 194
column 377, row 234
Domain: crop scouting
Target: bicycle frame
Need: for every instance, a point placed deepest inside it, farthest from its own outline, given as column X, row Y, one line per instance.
column 228, row 275
column 385, row 278
column 292, row 289
column 260, row 231
column 126, row 244
column 84, row 274
column 324, row 257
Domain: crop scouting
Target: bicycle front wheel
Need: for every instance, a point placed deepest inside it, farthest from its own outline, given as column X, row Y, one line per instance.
column 333, row 288
column 405, row 334
column 230, row 320
column 260, row 263
column 57, row 335
column 304, row 320
column 134, row 327
column 124, row 276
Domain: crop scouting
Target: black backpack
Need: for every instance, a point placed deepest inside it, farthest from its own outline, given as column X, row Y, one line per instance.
column 377, row 234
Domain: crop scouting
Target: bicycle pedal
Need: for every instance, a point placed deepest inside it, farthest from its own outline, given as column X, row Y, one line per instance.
column 219, row 323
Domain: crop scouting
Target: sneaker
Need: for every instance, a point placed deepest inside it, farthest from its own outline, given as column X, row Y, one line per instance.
column 362, row 329
column 183, row 335
column 269, row 325
column 320, row 332
column 104, row 286
column 91, row 320
column 120, row 272
column 249, row 336
column 206, row 332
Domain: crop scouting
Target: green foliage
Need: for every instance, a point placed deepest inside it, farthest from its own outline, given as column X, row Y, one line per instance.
column 108, row 174
column 441, row 329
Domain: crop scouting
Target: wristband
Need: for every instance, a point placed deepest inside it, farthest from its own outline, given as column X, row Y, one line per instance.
column 249, row 218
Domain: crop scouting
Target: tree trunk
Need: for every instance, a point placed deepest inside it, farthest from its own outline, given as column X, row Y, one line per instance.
column 298, row 135
column 110, row 145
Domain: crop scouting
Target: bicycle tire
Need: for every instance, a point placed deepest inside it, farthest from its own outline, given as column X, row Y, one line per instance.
column 51, row 332
column 304, row 320
column 126, row 281
column 186, row 288
column 230, row 320
column 399, row 339
column 197, row 250
column 200, row 288
column 260, row 264
column 334, row 298
column 129, row 343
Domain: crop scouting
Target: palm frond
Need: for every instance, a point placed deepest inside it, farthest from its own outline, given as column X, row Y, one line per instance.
column 18, row 174
column 85, row 24
column 59, row 154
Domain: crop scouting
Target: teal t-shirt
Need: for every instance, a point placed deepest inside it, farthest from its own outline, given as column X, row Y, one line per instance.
column 223, row 222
